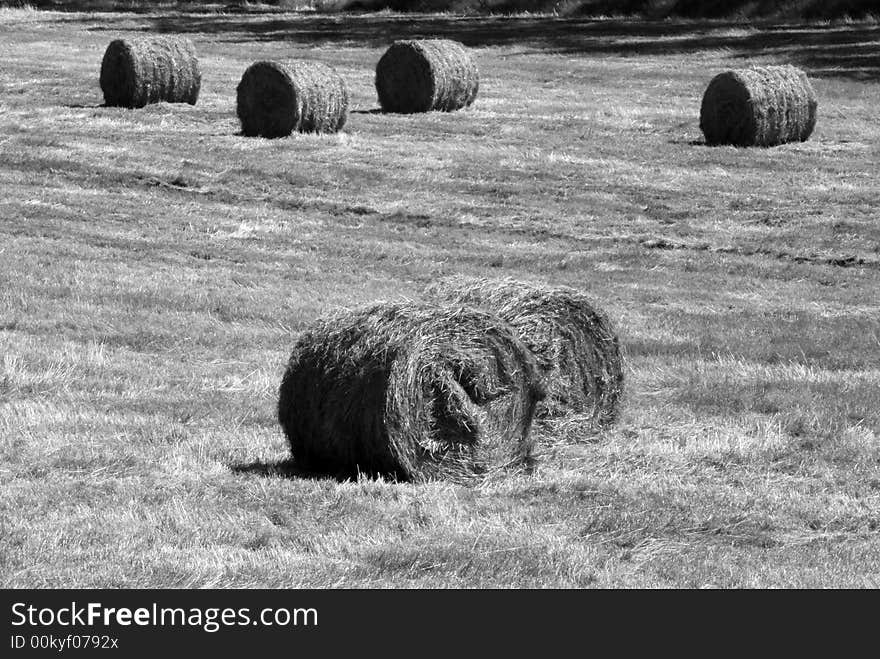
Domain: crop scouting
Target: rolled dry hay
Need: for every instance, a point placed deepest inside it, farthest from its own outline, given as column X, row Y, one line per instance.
column 761, row 106
column 276, row 99
column 425, row 75
column 136, row 72
column 411, row 392
column 575, row 343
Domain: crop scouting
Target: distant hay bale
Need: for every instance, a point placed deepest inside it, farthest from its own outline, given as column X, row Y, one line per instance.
column 411, row 392
column 425, row 75
column 274, row 100
column 139, row 71
column 761, row 106
column 574, row 342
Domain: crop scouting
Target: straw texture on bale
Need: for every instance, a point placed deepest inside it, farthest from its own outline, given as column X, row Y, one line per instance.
column 574, row 342
column 410, row 392
column 761, row 106
column 274, row 99
column 425, row 75
column 140, row 71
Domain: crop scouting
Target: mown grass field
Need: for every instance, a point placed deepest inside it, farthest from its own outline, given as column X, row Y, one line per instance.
column 156, row 267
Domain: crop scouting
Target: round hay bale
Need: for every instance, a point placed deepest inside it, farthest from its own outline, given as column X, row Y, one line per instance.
column 761, row 106
column 274, row 100
column 136, row 72
column 425, row 75
column 574, row 342
column 411, row 392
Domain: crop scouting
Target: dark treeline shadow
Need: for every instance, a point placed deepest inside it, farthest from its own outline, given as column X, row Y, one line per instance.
column 788, row 9
column 653, row 9
column 821, row 49
column 847, row 50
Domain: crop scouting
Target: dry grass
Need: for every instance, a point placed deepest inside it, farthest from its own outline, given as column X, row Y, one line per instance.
column 156, row 268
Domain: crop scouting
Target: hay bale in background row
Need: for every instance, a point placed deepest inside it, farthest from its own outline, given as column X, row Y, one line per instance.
column 574, row 342
column 431, row 74
column 135, row 72
column 412, row 392
column 762, row 106
column 274, row 100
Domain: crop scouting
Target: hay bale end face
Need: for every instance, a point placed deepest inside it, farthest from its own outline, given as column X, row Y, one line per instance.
column 575, row 344
column 411, row 392
column 274, row 99
column 762, row 106
column 425, row 75
column 140, row 71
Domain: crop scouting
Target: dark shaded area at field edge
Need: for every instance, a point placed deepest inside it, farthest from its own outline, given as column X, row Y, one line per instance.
column 836, row 51
column 653, row 9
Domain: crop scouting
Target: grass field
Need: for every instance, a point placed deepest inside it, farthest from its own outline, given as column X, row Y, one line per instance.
column 156, row 267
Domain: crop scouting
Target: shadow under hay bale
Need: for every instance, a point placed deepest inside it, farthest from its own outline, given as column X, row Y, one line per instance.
column 140, row 71
column 762, row 106
column 274, row 100
column 410, row 392
column 575, row 343
column 425, row 75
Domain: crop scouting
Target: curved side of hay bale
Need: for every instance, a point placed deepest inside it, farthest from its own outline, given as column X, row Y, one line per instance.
column 425, row 75
column 412, row 392
column 274, row 99
column 140, row 71
column 762, row 106
column 573, row 340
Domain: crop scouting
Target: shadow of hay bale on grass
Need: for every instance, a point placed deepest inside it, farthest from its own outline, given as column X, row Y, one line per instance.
column 274, row 99
column 761, row 106
column 425, row 75
column 137, row 72
column 573, row 340
column 410, row 392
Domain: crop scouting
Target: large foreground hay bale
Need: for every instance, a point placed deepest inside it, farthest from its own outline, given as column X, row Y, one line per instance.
column 574, row 341
column 135, row 72
column 425, row 75
column 411, row 392
column 761, row 106
column 274, row 100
